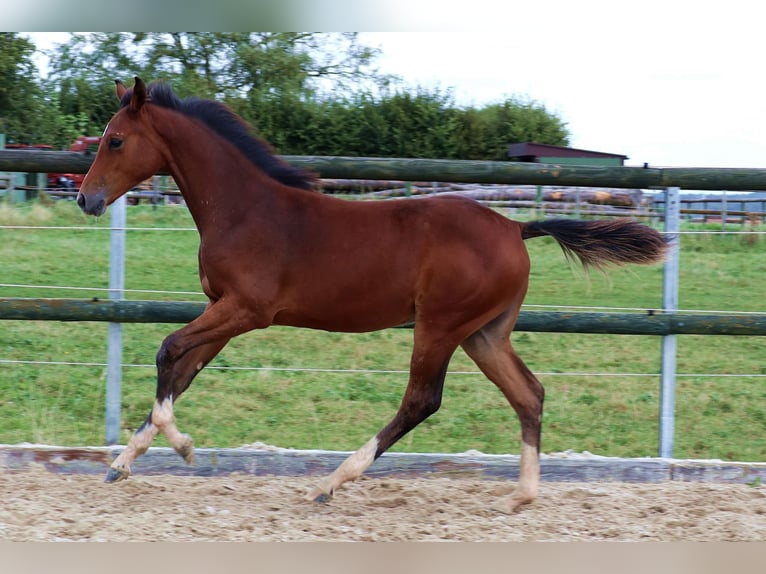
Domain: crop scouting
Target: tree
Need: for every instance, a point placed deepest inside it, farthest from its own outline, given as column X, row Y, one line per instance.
column 20, row 96
column 249, row 71
column 218, row 64
column 83, row 70
column 516, row 121
column 306, row 93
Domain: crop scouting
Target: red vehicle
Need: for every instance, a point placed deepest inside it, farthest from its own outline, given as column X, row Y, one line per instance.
column 72, row 181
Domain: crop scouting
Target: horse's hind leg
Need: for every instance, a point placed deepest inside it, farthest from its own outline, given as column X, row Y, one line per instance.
column 491, row 350
column 422, row 398
column 170, row 385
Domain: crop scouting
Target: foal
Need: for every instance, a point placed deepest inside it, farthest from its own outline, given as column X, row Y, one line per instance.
column 272, row 252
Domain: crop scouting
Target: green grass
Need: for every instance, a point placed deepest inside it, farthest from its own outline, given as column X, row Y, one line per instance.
column 717, row 417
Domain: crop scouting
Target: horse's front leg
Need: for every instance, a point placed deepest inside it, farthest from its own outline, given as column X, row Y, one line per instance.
column 182, row 355
column 173, row 378
column 138, row 445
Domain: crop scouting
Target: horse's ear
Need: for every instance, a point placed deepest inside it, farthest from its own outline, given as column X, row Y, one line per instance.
column 138, row 99
column 121, row 89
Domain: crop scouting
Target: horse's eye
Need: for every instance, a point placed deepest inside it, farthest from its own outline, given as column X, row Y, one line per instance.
column 115, row 143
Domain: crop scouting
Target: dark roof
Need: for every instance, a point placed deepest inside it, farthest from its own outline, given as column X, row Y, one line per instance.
column 532, row 150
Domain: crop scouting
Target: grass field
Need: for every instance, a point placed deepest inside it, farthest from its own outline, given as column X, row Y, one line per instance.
column 602, row 391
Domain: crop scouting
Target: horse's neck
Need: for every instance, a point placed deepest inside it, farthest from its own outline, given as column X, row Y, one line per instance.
column 217, row 186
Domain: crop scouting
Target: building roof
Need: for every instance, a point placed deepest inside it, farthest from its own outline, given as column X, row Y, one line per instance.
column 531, row 151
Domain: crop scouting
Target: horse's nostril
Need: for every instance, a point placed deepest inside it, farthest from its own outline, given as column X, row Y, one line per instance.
column 95, row 204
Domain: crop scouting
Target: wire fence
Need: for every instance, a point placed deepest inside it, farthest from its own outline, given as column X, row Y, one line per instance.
column 374, row 371
column 109, row 228
column 341, row 370
column 710, row 232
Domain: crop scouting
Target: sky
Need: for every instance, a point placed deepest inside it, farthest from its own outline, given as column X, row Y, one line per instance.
column 686, row 97
column 661, row 83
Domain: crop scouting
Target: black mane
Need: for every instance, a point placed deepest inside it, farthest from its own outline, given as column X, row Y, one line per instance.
column 230, row 126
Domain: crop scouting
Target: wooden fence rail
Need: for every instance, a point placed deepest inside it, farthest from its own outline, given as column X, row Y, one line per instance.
column 647, row 323
column 459, row 171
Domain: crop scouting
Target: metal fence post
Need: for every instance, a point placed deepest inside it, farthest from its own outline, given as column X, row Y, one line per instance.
column 114, row 342
column 670, row 305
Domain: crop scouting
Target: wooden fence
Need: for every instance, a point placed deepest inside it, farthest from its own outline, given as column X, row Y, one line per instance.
column 650, row 322
column 666, row 323
column 458, row 171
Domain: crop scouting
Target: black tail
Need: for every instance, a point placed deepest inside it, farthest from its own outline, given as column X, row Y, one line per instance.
column 600, row 242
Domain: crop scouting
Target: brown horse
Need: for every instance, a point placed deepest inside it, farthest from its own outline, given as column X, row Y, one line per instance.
column 273, row 252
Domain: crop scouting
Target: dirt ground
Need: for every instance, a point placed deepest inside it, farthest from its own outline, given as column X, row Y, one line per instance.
column 40, row 506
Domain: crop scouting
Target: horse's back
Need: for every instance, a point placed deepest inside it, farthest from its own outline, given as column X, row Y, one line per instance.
column 371, row 265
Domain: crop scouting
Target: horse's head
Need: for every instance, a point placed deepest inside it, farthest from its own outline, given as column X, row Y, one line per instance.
column 129, row 152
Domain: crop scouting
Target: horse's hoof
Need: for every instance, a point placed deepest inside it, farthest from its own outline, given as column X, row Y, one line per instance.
column 116, row 475
column 319, row 495
column 186, row 448
column 323, row 498
column 187, row 453
column 502, row 508
column 511, row 506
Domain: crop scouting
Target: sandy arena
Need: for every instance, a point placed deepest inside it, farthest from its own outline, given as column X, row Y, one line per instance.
column 40, row 506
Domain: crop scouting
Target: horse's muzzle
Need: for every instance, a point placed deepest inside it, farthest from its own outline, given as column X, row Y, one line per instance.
column 94, row 204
